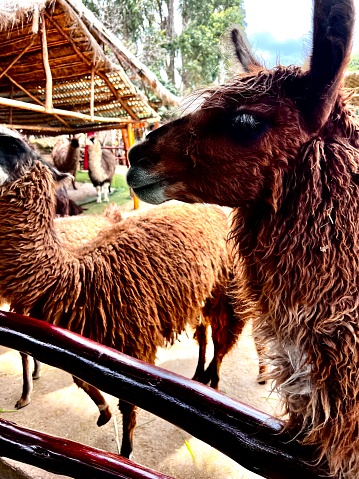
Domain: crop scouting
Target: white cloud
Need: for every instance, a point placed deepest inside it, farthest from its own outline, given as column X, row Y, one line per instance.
column 285, row 20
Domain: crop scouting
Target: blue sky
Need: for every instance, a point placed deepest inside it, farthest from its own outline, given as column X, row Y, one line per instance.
column 280, row 30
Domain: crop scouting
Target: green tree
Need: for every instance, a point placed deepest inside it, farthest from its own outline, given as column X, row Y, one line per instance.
column 354, row 62
column 200, row 41
column 149, row 28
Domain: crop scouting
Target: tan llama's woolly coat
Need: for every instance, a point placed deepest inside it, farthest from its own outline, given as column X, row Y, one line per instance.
column 76, row 231
column 134, row 287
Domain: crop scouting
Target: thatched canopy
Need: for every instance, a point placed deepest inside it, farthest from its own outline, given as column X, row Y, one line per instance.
column 55, row 77
column 351, row 81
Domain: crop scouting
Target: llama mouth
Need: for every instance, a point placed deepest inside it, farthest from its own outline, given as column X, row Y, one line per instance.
column 138, row 177
column 147, row 187
column 152, row 193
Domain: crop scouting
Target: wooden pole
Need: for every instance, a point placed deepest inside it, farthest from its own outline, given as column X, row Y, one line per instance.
column 45, row 60
column 23, row 105
column 11, row 97
column 254, row 439
column 131, row 141
column 92, row 97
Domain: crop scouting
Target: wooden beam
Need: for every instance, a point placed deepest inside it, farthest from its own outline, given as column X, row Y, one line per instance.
column 35, row 19
column 92, row 96
column 54, row 131
column 11, row 96
column 35, row 99
column 45, row 60
column 19, row 56
column 70, row 114
column 131, row 142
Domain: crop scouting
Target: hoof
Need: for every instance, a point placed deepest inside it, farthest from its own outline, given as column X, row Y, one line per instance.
column 104, row 417
column 260, row 380
column 125, row 453
column 202, row 378
column 37, row 369
column 22, row 402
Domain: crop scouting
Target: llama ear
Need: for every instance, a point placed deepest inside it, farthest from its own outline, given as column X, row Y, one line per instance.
column 243, row 51
column 333, row 24
column 56, row 174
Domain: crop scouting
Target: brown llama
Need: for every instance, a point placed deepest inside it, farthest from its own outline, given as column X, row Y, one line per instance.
column 66, row 157
column 134, row 287
column 281, row 147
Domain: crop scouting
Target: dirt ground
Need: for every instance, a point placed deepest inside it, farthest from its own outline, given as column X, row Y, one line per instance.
column 59, row 408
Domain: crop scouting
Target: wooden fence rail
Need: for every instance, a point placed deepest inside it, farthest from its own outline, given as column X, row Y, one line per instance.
column 252, row 438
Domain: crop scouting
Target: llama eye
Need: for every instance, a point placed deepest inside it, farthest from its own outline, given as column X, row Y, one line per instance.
column 247, row 126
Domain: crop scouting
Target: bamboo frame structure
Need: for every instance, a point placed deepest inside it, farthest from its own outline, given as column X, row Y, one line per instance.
column 47, row 69
column 70, row 114
column 57, row 72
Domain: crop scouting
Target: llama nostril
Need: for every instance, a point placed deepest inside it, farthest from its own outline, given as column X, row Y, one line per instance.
column 134, row 155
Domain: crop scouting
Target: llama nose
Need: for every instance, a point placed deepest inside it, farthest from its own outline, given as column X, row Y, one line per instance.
column 137, row 154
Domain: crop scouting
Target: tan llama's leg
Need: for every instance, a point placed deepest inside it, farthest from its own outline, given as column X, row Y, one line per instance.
column 106, row 191
column 128, row 427
column 37, row 369
column 27, row 384
column 226, row 329
column 98, row 399
column 201, row 337
column 99, row 191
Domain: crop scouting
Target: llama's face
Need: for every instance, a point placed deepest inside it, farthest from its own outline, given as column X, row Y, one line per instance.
column 13, row 153
column 229, row 151
column 16, row 157
column 236, row 148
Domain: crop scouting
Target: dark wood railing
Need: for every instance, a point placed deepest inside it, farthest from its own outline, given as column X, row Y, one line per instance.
column 252, row 438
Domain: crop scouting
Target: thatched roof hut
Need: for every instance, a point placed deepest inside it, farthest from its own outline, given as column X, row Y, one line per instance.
column 351, row 81
column 55, row 77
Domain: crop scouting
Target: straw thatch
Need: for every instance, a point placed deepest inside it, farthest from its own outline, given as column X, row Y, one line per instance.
column 55, row 77
column 351, row 81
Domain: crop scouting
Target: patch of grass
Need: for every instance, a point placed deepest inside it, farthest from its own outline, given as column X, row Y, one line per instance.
column 118, row 181
column 120, row 193
column 120, row 197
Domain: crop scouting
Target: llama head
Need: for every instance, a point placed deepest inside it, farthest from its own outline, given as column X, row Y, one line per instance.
column 90, row 140
column 235, row 148
column 16, row 157
column 74, row 142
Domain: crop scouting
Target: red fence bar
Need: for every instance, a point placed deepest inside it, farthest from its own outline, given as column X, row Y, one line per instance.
column 248, row 436
column 62, row 456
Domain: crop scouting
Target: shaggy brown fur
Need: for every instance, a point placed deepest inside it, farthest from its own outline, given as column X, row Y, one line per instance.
column 134, row 287
column 76, row 231
column 281, row 146
column 66, row 157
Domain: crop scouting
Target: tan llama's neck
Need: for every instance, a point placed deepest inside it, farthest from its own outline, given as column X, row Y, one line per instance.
column 29, row 248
